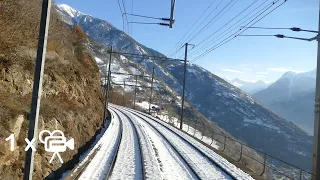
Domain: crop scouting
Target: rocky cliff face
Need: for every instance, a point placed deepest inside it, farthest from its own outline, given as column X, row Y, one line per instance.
column 72, row 94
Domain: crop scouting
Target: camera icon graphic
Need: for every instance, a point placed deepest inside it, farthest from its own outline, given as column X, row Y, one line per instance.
column 55, row 142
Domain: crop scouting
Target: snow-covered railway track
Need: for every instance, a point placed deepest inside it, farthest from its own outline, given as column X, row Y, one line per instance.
column 199, row 158
column 163, row 166
column 100, row 160
column 129, row 161
column 138, row 146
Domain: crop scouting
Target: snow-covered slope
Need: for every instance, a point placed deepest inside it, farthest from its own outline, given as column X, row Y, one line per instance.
column 228, row 106
column 102, row 31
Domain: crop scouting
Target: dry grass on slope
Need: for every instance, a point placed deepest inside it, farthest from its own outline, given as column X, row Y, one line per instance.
column 72, row 94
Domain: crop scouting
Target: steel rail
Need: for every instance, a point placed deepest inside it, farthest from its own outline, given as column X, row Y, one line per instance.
column 139, row 114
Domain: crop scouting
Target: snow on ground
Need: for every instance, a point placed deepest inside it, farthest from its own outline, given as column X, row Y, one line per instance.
column 134, row 70
column 162, row 159
column 204, row 168
column 261, row 123
column 165, row 158
column 98, row 60
column 145, row 105
column 231, row 168
column 128, row 163
column 84, row 157
column 100, row 163
column 190, row 130
column 152, row 169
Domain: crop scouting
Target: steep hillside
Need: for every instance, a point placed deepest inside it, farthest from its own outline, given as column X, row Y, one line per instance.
column 242, row 116
column 233, row 110
column 72, row 94
column 292, row 96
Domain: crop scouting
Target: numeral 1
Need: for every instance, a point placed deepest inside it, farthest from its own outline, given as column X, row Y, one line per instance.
column 11, row 138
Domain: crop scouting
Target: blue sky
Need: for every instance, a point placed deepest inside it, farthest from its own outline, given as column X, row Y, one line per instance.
column 248, row 58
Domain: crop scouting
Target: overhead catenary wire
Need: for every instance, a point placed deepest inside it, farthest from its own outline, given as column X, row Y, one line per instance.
column 137, row 15
column 233, row 36
column 257, row 35
column 225, row 25
column 131, row 16
column 254, row 16
column 292, row 29
column 229, row 5
column 280, row 36
column 226, row 40
column 125, row 12
column 161, row 24
column 121, row 15
column 221, row 44
column 149, row 17
column 236, row 24
column 204, row 20
column 177, row 45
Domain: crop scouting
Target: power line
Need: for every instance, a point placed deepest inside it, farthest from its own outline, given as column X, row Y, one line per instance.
column 150, row 17
column 238, row 15
column 292, row 29
column 226, row 32
column 161, row 24
column 222, row 43
column 131, row 16
column 228, row 40
column 214, row 19
column 257, row 35
column 199, row 25
column 121, row 15
column 282, row 36
column 192, row 26
column 234, row 26
column 125, row 12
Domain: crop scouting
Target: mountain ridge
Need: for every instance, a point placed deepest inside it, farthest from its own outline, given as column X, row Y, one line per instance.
column 249, row 86
column 292, row 96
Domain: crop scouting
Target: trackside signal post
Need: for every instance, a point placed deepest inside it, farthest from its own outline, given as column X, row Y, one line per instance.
column 37, row 86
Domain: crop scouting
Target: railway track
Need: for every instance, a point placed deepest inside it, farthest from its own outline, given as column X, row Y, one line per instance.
column 139, row 146
column 191, row 171
column 148, row 119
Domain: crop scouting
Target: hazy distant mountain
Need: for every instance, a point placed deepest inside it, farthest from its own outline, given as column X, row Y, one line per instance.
column 249, row 87
column 292, row 96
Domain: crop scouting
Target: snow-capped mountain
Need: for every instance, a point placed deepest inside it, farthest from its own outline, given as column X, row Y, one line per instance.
column 292, row 96
column 248, row 86
column 232, row 109
column 103, row 32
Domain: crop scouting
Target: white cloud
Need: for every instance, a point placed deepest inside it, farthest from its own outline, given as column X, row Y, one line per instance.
column 262, row 76
column 249, row 80
column 262, row 73
column 285, row 70
column 232, row 70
